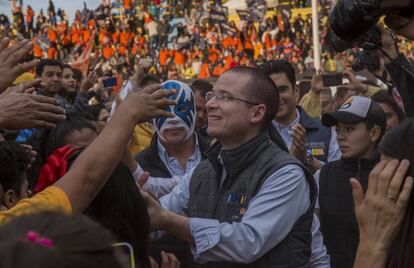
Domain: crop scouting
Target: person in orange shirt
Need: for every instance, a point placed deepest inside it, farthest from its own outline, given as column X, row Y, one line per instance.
column 179, row 59
column 205, row 70
column 52, row 35
column 104, row 36
column 219, row 69
column 226, row 42
column 115, row 36
column 122, row 50
column 195, row 52
column 124, row 37
column 213, row 54
column 163, row 56
column 258, row 50
column 107, row 51
column 29, row 17
column 52, row 52
column 37, row 51
column 75, row 34
column 65, row 40
column 86, row 35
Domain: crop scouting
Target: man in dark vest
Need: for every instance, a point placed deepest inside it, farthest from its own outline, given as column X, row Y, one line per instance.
column 308, row 140
column 250, row 203
column 360, row 123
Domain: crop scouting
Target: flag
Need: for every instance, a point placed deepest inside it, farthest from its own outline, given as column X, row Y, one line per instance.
column 82, row 63
column 218, row 15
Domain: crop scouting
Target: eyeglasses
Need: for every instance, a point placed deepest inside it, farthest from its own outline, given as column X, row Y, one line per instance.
column 225, row 97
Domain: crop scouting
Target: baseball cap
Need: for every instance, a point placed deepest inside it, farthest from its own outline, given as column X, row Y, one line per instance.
column 356, row 109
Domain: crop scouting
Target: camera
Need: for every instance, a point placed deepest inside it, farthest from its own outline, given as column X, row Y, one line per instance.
column 350, row 19
column 366, row 60
column 368, row 40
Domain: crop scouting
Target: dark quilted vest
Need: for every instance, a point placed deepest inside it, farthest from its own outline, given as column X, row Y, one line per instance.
column 338, row 222
column 247, row 168
column 317, row 135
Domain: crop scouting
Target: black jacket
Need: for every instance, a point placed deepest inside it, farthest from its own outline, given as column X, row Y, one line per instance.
column 338, row 222
column 150, row 161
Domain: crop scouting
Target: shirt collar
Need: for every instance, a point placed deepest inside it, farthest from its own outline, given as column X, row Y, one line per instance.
column 163, row 151
column 280, row 126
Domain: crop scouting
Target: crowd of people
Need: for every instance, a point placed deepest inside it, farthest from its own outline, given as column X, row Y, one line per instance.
column 125, row 32
column 263, row 166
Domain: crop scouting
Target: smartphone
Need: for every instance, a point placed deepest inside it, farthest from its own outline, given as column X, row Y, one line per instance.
column 332, row 79
column 110, row 82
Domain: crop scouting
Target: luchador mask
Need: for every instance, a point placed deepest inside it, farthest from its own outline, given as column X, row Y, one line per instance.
column 184, row 110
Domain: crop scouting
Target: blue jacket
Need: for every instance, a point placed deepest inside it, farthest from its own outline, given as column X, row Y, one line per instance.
column 317, row 135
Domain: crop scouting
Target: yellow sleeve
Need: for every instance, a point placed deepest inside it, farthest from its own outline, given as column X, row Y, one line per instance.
column 52, row 198
column 311, row 104
column 141, row 138
column 372, row 90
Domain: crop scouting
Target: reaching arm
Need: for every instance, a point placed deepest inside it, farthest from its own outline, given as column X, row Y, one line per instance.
column 93, row 167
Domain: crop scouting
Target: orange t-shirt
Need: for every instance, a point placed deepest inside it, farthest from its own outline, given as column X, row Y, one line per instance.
column 218, row 70
column 227, row 42
column 213, row 55
column 86, row 35
column 179, row 57
column 52, row 35
column 124, row 38
column 163, row 57
column 52, row 53
column 37, row 51
column 204, row 71
column 107, row 52
column 75, row 36
column 115, row 37
column 65, row 40
column 127, row 4
column 122, row 50
column 51, row 198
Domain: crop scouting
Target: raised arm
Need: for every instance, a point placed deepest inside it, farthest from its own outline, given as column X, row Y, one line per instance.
column 93, row 167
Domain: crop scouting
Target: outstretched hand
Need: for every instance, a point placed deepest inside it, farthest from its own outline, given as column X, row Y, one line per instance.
column 20, row 109
column 148, row 103
column 381, row 210
column 10, row 61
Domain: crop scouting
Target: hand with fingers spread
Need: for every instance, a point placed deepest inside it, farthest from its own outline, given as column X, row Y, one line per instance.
column 381, row 211
column 32, row 152
column 10, row 61
column 317, row 83
column 148, row 103
column 88, row 82
column 298, row 148
column 20, row 110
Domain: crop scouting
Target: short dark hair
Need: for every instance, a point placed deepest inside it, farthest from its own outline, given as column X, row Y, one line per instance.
column 280, row 66
column 201, row 86
column 77, row 242
column 14, row 162
column 261, row 89
column 383, row 97
column 47, row 62
column 148, row 80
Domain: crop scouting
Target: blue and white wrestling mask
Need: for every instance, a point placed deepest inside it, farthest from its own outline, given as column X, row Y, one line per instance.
column 184, row 110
